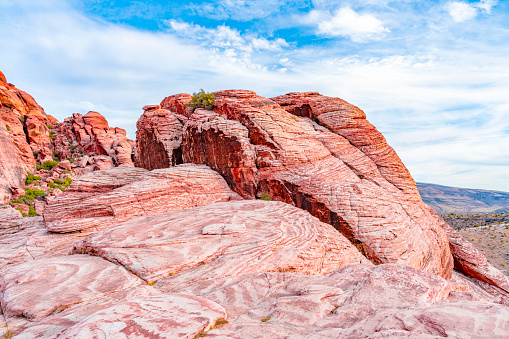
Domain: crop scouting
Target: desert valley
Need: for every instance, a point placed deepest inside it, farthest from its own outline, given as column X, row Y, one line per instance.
column 282, row 217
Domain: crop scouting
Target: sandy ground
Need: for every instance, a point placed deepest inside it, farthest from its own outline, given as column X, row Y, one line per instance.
column 493, row 241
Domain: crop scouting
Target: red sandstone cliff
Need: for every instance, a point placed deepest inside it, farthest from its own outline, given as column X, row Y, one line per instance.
column 28, row 136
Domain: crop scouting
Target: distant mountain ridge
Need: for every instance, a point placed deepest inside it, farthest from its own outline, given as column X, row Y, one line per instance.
column 446, row 199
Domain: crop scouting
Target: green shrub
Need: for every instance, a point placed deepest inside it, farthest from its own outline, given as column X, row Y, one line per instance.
column 71, row 160
column 49, row 126
column 8, row 128
column 48, row 165
column 67, row 182
column 201, row 99
column 52, row 135
column 265, row 196
column 31, row 211
column 55, row 155
column 31, row 178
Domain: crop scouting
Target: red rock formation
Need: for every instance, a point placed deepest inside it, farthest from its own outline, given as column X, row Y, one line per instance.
column 113, row 196
column 90, row 134
column 259, row 148
column 28, row 135
column 350, row 122
column 158, row 139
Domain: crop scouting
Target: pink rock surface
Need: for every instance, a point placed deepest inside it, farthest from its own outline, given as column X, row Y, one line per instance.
column 10, row 220
column 35, row 289
column 162, row 316
column 356, row 301
column 223, row 239
column 99, row 199
column 259, row 148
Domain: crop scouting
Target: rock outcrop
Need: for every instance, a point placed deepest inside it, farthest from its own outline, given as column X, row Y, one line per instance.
column 112, row 196
column 90, row 134
column 30, row 137
column 362, row 189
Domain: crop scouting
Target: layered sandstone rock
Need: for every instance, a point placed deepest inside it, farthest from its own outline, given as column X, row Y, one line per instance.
column 223, row 239
column 36, row 289
column 112, row 196
column 158, row 138
column 261, row 149
column 356, row 301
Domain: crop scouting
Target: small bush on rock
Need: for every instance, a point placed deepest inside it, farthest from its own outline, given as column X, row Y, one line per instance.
column 201, row 99
column 31, row 178
column 48, row 165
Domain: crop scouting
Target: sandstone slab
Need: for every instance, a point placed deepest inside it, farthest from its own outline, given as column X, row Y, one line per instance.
column 356, row 301
column 103, row 198
column 35, row 289
column 223, row 239
column 162, row 316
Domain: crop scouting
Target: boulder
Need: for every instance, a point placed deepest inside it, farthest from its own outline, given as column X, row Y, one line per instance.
column 158, row 139
column 227, row 238
column 103, row 198
column 10, row 220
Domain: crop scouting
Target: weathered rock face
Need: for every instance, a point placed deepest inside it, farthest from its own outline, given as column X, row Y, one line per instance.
column 259, row 148
column 356, row 301
column 350, row 122
column 112, row 196
column 23, row 130
column 158, row 139
column 224, row 239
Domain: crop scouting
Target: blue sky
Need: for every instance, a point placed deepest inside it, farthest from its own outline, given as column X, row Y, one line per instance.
column 433, row 76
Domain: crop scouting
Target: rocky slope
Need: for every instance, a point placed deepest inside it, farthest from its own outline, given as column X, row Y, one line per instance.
column 189, row 245
column 34, row 143
column 445, row 199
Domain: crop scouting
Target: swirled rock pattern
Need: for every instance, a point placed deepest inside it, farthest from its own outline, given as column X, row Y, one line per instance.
column 356, row 301
column 112, row 196
column 223, row 239
column 36, row 289
column 161, row 316
column 261, row 149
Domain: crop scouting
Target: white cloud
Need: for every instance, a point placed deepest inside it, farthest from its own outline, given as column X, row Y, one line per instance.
column 461, row 11
column 347, row 23
column 486, row 5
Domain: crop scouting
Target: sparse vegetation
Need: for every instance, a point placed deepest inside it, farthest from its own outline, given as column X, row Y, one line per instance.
column 265, row 319
column 52, row 135
column 48, row 165
column 32, row 178
column 201, row 99
column 8, row 128
column 265, row 196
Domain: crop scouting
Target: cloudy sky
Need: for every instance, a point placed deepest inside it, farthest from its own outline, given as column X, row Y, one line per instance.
column 432, row 76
